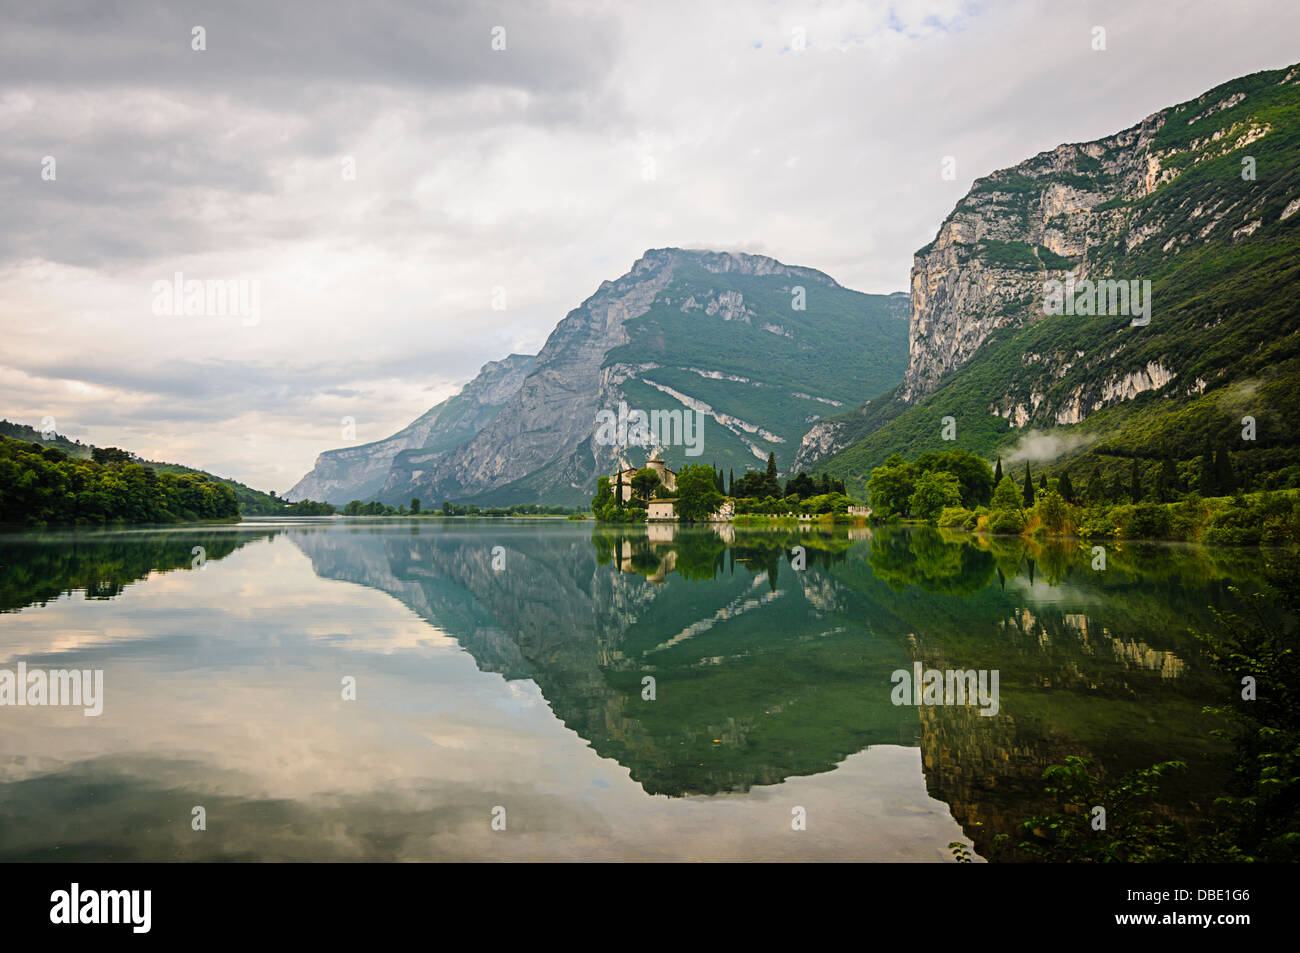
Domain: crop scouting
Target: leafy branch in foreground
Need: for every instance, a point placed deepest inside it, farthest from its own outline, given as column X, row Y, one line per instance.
column 1258, row 819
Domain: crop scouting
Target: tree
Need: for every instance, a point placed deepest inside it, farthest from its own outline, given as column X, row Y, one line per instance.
column 1118, row 487
column 769, row 478
column 1029, row 488
column 1006, row 496
column 972, row 472
column 1223, row 475
column 618, row 490
column 1096, row 489
column 646, row 479
column 997, row 473
column 731, row 483
column 109, row 455
column 935, row 490
column 891, row 486
column 801, row 486
column 415, row 504
column 751, row 484
column 1065, row 488
column 1166, row 480
column 697, row 495
column 1135, row 482
column 1052, row 508
column 1206, row 483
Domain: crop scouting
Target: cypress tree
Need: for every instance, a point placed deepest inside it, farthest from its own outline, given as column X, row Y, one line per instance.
column 1029, row 488
column 1223, row 475
column 1096, row 489
column 1135, row 482
column 997, row 472
column 1167, row 481
column 1065, row 488
column 1207, row 485
column 731, row 482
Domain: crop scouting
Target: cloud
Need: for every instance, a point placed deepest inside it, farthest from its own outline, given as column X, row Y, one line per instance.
column 1039, row 447
column 476, row 169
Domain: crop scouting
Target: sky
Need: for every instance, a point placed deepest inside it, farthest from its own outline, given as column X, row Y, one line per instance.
column 409, row 190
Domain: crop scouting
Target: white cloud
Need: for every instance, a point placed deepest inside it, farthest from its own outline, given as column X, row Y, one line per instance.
column 521, row 169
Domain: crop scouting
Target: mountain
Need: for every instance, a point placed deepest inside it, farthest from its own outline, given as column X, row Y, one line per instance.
column 759, row 348
column 1199, row 199
column 361, row 473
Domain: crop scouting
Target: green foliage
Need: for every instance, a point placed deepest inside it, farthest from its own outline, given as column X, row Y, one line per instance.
column 893, row 485
column 1053, row 511
column 935, row 491
column 37, row 489
column 1006, row 521
column 644, row 482
column 697, row 493
column 956, row 517
column 1224, row 315
column 852, row 345
column 1258, row 820
column 1006, row 496
column 1262, row 810
column 1136, row 829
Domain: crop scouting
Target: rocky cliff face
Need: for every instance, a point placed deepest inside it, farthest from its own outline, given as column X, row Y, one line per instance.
column 1073, row 211
column 1196, row 208
column 756, row 349
column 352, row 473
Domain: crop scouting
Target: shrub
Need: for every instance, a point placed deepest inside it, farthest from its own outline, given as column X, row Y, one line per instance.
column 1148, row 521
column 1006, row 521
column 1237, row 524
column 955, row 516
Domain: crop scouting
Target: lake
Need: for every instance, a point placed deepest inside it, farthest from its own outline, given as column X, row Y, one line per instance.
column 545, row 690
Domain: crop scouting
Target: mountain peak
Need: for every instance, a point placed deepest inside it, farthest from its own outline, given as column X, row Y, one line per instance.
column 727, row 262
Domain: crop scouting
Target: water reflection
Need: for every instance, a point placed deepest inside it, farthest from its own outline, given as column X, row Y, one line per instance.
column 524, row 683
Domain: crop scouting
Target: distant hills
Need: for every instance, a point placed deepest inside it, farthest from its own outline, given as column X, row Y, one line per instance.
column 251, row 502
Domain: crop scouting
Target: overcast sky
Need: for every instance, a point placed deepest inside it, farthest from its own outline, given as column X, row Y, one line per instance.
column 813, row 132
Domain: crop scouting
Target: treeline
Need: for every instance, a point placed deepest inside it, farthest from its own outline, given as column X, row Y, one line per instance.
column 762, row 486
column 44, row 486
column 307, row 508
column 958, row 490
column 701, row 489
column 375, row 508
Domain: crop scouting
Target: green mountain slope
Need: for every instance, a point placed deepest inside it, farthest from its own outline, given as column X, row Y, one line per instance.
column 1170, row 201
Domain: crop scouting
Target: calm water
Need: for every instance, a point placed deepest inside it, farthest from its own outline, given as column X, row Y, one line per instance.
column 512, row 678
